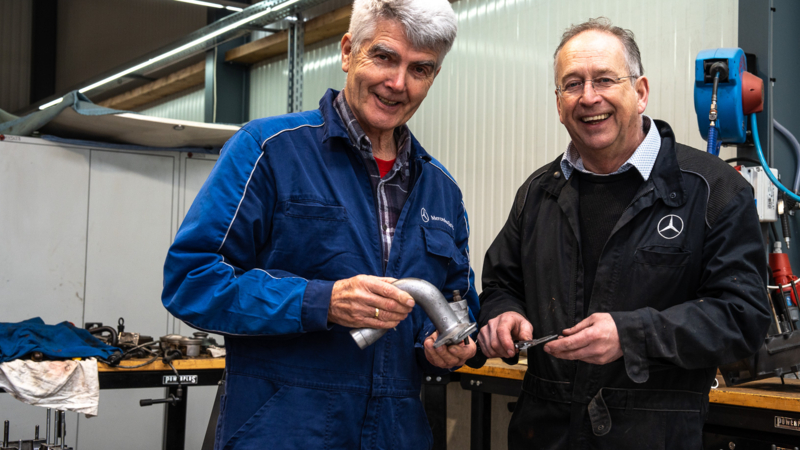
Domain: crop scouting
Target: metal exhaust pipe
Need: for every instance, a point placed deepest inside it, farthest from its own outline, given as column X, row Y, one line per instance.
column 451, row 330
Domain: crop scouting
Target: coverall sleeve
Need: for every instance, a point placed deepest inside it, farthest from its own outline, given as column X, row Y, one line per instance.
column 503, row 288
column 459, row 278
column 729, row 318
column 212, row 279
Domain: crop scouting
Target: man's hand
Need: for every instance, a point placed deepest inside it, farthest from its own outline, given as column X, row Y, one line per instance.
column 366, row 301
column 594, row 340
column 448, row 356
column 498, row 336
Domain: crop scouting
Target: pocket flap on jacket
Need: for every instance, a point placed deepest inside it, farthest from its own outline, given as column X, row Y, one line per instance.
column 440, row 242
column 660, row 255
column 321, row 212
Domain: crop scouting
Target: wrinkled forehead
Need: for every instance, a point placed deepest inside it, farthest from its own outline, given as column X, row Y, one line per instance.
column 389, row 35
column 591, row 53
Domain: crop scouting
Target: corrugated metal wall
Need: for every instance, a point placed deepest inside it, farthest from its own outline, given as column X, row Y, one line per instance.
column 182, row 106
column 491, row 117
column 269, row 88
column 322, row 69
column 15, row 53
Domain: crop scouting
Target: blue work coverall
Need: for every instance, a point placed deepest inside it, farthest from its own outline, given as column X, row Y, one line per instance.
column 288, row 210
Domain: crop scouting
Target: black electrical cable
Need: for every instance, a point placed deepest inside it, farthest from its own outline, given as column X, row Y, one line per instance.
column 139, row 365
column 774, row 232
column 744, row 159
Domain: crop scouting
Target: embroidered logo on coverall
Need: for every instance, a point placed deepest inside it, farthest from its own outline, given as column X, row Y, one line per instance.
column 670, row 226
column 425, row 217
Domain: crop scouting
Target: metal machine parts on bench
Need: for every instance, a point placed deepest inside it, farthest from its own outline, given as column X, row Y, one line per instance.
column 58, row 441
column 450, row 319
column 136, row 345
column 168, row 348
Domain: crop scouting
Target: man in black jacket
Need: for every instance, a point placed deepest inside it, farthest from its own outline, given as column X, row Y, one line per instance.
column 644, row 255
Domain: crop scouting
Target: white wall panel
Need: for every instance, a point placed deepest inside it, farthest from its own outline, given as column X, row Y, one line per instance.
column 43, row 207
column 15, row 53
column 181, row 106
column 491, row 118
column 43, row 201
column 130, row 230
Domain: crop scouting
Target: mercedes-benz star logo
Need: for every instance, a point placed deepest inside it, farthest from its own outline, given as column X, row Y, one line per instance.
column 425, row 217
column 672, row 228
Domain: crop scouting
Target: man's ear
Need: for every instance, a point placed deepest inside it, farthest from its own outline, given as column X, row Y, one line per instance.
column 642, row 93
column 558, row 105
column 347, row 51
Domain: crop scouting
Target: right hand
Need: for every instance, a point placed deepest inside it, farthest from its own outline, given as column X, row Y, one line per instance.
column 354, row 302
column 497, row 337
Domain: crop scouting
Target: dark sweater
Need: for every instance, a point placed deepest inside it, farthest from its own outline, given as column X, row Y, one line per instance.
column 603, row 198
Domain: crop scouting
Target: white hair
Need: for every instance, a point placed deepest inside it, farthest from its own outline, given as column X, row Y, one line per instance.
column 428, row 24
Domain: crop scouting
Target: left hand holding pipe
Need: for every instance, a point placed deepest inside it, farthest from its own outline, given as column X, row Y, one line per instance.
column 448, row 356
column 594, row 340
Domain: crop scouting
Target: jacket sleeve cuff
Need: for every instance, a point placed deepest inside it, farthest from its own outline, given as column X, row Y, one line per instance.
column 490, row 311
column 630, row 329
column 316, row 302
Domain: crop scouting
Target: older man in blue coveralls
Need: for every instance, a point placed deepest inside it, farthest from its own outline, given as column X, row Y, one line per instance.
column 297, row 235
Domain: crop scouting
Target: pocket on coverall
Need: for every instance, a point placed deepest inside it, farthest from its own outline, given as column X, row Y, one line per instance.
column 651, row 419
column 260, row 413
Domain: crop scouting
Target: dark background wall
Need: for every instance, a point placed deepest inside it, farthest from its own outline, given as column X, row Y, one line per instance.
column 89, row 37
column 753, row 38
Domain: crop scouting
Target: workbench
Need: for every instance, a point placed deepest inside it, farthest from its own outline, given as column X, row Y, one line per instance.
column 752, row 416
column 193, row 372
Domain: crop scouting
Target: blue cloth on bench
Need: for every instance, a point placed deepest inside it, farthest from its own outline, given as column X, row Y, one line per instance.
column 62, row 341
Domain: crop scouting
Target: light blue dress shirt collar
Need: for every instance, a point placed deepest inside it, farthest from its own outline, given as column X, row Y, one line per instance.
column 643, row 159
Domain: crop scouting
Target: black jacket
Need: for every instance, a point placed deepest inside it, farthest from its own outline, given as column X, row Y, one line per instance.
column 683, row 303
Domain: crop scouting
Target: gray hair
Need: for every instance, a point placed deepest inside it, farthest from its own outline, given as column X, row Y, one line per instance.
column 633, row 59
column 428, row 24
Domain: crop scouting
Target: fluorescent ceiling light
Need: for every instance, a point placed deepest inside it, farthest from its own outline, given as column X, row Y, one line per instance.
column 233, row 8
column 49, row 104
column 178, row 50
column 209, row 126
column 198, row 2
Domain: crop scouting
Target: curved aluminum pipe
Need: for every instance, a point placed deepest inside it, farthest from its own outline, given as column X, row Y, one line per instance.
column 451, row 330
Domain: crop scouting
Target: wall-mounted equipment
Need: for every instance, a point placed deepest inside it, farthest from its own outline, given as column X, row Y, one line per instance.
column 724, row 94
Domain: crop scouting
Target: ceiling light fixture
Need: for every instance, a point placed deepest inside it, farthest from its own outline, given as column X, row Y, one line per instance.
column 198, row 2
column 177, row 50
column 233, row 8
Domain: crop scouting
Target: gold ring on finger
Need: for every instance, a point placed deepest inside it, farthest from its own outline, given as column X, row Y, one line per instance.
column 377, row 311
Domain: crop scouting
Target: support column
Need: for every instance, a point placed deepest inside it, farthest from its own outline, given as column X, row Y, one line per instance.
column 227, row 87
column 296, row 50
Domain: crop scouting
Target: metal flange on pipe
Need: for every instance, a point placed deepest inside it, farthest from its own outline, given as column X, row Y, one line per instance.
column 451, row 319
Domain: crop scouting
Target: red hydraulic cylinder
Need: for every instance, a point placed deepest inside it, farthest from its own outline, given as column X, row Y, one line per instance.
column 782, row 273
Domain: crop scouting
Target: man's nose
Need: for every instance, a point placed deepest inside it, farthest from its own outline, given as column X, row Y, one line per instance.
column 590, row 95
column 396, row 80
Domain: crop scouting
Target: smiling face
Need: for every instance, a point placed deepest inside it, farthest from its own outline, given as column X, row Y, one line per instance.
column 607, row 124
column 387, row 78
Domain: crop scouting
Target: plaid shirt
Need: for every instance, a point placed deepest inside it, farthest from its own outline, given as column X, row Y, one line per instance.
column 390, row 191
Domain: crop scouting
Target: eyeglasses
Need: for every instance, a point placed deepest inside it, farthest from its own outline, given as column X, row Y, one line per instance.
column 599, row 84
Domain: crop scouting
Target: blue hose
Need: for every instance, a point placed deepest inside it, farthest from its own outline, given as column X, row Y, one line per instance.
column 713, row 143
column 763, row 161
